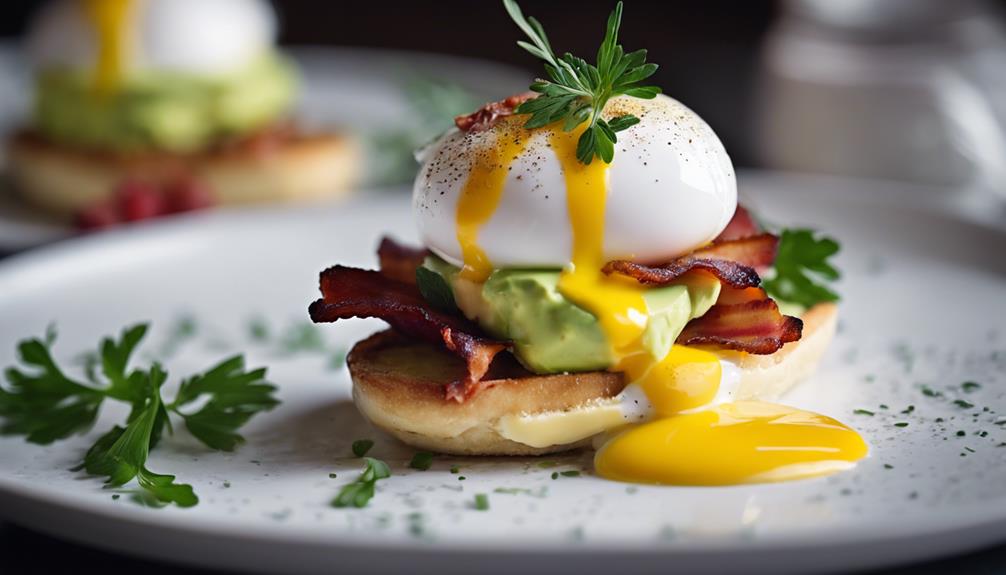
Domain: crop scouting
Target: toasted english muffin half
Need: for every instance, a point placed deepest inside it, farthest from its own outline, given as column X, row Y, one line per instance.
column 64, row 180
column 398, row 384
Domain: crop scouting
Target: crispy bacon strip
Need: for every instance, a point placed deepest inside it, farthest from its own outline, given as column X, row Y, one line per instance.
column 757, row 251
column 743, row 320
column 742, row 225
column 733, row 262
column 729, row 273
column 487, row 116
column 352, row 292
column 399, row 262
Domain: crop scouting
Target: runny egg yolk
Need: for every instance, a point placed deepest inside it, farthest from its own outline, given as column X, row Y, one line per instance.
column 480, row 196
column 739, row 442
column 109, row 19
column 732, row 443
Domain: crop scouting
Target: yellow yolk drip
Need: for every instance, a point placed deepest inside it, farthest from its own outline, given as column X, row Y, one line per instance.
column 685, row 379
column 741, row 442
column 618, row 304
column 480, row 196
column 109, row 19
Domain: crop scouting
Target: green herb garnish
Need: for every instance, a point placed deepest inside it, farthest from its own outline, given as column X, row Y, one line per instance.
column 963, row 404
column 481, row 502
column 362, row 446
column 421, row 461
column 969, row 386
column 576, row 92
column 862, row 412
column 361, row 491
column 435, row 290
column 901, row 424
column 801, row 268
column 43, row 404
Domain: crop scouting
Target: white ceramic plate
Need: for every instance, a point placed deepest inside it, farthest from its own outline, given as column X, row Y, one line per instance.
column 362, row 90
column 924, row 305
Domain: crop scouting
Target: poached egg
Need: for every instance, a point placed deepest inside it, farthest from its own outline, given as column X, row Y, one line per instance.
column 118, row 38
column 507, row 197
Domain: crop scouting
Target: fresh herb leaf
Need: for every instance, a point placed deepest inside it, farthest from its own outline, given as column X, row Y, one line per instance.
column 361, row 491
column 969, row 386
column 963, row 404
column 234, row 395
column 258, row 329
column 576, row 92
column 481, row 502
column 421, row 461
column 862, row 412
column 801, row 268
column 43, row 404
column 121, row 454
column 435, row 290
column 301, row 337
column 362, row 446
column 164, row 488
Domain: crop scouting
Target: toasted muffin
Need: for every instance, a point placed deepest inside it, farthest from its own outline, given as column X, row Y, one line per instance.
column 64, row 179
column 398, row 384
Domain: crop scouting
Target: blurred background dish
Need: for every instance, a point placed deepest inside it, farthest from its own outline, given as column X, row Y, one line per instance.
column 904, row 92
column 390, row 102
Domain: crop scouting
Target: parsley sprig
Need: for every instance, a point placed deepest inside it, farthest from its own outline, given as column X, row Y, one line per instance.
column 576, row 92
column 361, row 491
column 801, row 268
column 43, row 404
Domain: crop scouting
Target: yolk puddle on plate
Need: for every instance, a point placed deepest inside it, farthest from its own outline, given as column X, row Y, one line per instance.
column 109, row 19
column 739, row 442
column 732, row 443
column 481, row 194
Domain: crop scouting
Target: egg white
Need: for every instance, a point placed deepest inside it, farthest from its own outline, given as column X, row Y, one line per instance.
column 671, row 189
column 204, row 37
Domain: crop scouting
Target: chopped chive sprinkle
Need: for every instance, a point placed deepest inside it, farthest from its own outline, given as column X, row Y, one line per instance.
column 570, row 473
column 883, row 406
column 422, row 461
column 332, row 476
column 969, row 386
column 115, row 496
column 455, row 469
column 930, row 392
column 862, row 412
column 961, row 433
column 481, row 502
column 555, row 475
column 461, row 478
column 963, row 404
column 901, row 424
column 362, row 446
column 547, row 464
column 888, row 466
column 969, row 449
column 908, row 409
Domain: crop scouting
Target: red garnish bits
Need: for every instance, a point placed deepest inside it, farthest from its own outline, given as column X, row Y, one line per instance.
column 136, row 200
